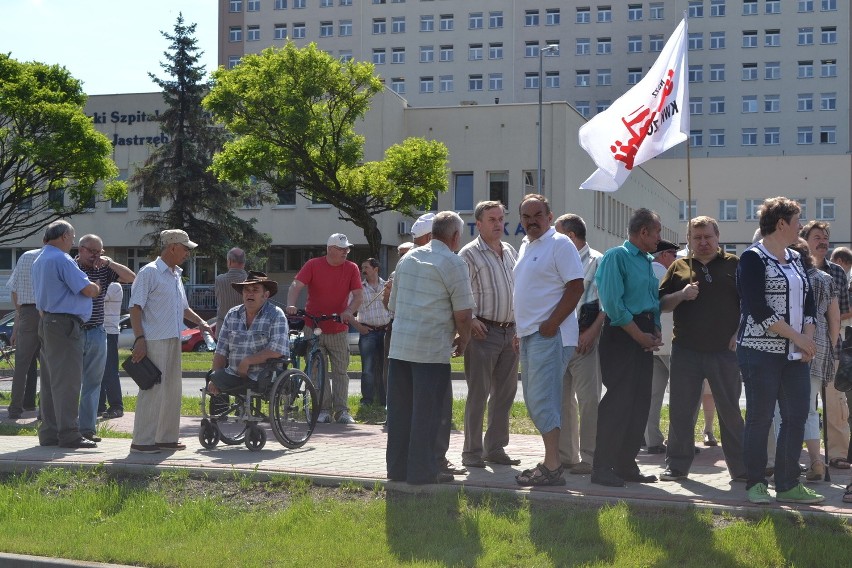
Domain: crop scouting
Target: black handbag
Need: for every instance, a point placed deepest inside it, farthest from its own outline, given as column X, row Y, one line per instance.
column 144, row 373
column 588, row 314
column 843, row 377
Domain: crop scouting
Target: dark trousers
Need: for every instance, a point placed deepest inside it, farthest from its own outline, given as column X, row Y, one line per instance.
column 62, row 340
column 689, row 368
column 27, row 346
column 111, row 384
column 372, row 348
column 626, row 372
column 416, row 392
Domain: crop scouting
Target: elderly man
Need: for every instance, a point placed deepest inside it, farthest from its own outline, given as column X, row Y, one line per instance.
column 702, row 292
column 334, row 287
column 226, row 296
column 581, row 384
column 24, row 336
column 158, row 307
column 433, row 304
column 629, row 297
column 490, row 361
column 104, row 271
column 816, row 233
column 251, row 333
column 372, row 323
column 63, row 295
column 548, row 286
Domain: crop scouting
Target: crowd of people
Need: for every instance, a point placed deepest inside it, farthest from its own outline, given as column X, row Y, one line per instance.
column 639, row 318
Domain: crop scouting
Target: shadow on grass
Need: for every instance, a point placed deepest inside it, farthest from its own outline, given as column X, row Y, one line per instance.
column 439, row 532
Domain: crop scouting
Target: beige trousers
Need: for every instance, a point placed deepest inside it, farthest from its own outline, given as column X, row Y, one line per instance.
column 157, row 417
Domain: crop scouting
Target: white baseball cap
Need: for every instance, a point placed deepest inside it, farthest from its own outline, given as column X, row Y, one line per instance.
column 423, row 225
column 339, row 240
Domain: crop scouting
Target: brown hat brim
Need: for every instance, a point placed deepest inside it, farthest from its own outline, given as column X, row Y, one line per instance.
column 270, row 285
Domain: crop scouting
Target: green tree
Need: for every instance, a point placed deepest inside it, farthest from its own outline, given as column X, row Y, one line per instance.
column 52, row 160
column 178, row 172
column 293, row 113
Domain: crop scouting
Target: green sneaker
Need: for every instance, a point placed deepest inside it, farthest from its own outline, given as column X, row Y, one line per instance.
column 758, row 494
column 799, row 494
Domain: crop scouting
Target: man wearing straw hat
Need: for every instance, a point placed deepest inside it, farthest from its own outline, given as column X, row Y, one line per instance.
column 251, row 333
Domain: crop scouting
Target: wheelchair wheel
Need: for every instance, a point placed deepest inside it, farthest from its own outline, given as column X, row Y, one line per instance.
column 316, row 372
column 293, row 408
column 208, row 435
column 255, row 438
column 226, row 411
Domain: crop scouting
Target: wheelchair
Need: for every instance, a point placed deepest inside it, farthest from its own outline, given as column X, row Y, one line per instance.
column 285, row 398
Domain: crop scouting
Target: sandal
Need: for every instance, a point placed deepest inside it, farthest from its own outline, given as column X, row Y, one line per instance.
column 540, row 476
column 839, row 463
column 847, row 497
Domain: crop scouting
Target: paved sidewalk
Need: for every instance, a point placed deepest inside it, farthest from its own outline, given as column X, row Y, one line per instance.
column 338, row 452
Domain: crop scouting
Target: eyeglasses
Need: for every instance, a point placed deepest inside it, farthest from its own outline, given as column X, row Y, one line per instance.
column 706, row 272
column 93, row 251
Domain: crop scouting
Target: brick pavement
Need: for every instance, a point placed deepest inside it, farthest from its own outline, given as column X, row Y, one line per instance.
column 337, row 452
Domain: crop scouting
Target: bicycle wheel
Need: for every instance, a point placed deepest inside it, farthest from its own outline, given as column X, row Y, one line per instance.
column 293, row 408
column 316, row 372
column 226, row 413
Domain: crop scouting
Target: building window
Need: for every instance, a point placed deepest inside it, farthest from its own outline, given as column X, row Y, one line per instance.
column 235, row 6
column 824, row 208
column 634, row 44
column 604, row 77
column 474, row 82
column 717, row 40
column 696, row 138
column 696, row 73
column 634, row 12
column 427, row 53
column 446, row 83
column 300, row 3
column 805, row 36
column 717, row 105
column 584, row 16
column 427, row 23
column 463, row 192
column 749, row 71
column 656, row 11
column 803, row 204
column 749, row 104
column 280, row 4
column 717, row 72
column 772, row 103
column 427, row 84
column 583, row 107
column 695, row 41
column 495, row 20
column 772, row 38
column 531, row 49
column 475, row 21
column 828, row 5
column 495, row 50
column 717, row 137
column 447, row 22
column 828, row 68
column 551, row 79
column 345, row 55
column 828, row 135
column 379, row 56
column 498, row 187
column 634, row 75
column 751, row 208
column 655, row 43
column 326, row 3
column 398, row 85
column 717, row 8
column 398, row 55
column 380, row 26
column 495, row 81
column 749, row 137
column 474, row 52
column 398, row 25
column 552, row 17
column 253, row 6
column 805, row 135
column 828, row 101
column 771, row 136
column 773, row 6
column 749, row 7
column 233, row 61
column 584, row 46
column 326, row 29
column 695, row 9
column 805, row 70
column 602, row 105
column 604, row 14
column 299, row 30
column 772, row 70
column 727, row 209
column 683, row 214
column 750, row 38
column 253, row 33
column 235, row 34
column 696, row 105
column 345, row 28
column 582, row 78
column 447, row 53
column 531, row 18
column 828, row 35
column 604, row 46
column 805, row 102
column 531, row 80
column 805, row 6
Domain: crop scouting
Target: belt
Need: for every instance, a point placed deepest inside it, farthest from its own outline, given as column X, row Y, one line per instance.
column 377, row 327
column 27, row 305
column 645, row 315
column 91, row 325
column 504, row 325
column 78, row 319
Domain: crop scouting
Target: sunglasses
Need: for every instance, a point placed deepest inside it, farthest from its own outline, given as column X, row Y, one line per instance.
column 706, row 272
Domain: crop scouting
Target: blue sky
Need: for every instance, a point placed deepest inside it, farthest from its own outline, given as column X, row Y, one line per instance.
column 110, row 45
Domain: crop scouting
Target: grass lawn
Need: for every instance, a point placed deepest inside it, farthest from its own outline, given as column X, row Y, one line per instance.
column 175, row 520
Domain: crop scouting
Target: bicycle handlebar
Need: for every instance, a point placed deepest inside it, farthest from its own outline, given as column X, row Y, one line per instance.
column 319, row 318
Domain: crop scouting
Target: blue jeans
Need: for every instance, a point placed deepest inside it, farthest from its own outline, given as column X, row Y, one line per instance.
column 769, row 378
column 372, row 348
column 543, row 363
column 111, row 384
column 94, row 360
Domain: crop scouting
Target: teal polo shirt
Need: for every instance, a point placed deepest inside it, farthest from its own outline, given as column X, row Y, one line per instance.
column 627, row 285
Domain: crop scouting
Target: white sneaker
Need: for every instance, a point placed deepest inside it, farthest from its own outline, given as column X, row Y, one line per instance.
column 346, row 418
column 324, row 417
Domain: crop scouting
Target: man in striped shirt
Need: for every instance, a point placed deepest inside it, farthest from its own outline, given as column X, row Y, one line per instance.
column 490, row 361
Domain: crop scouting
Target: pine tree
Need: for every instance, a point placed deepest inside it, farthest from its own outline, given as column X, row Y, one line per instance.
column 176, row 173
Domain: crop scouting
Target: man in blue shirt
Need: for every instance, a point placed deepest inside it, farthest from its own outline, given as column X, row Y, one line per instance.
column 628, row 291
column 63, row 295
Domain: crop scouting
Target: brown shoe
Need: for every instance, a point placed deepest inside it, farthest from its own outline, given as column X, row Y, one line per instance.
column 582, row 468
column 171, row 446
column 446, row 466
column 502, row 459
column 144, row 449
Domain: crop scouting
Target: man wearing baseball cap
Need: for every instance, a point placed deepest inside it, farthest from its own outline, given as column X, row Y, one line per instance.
column 334, row 287
column 421, row 230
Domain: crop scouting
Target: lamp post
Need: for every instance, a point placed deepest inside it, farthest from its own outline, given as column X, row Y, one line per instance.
column 541, row 53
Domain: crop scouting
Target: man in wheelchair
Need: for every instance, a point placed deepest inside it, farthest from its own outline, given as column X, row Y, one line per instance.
column 251, row 334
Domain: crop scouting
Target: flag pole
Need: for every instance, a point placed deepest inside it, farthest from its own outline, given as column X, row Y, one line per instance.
column 688, row 207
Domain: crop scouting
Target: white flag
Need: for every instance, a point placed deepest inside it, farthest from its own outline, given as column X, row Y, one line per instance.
column 646, row 121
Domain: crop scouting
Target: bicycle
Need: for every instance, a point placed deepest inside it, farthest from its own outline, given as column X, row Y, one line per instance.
column 309, row 349
column 7, row 366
